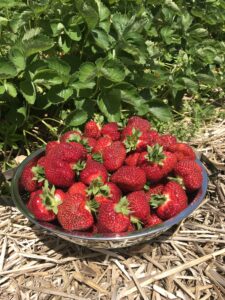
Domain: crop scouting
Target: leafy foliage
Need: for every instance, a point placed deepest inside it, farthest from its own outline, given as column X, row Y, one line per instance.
column 68, row 59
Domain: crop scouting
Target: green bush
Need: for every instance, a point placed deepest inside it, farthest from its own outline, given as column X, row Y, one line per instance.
column 65, row 60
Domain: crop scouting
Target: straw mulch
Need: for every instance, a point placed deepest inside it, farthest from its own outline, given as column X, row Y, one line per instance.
column 185, row 263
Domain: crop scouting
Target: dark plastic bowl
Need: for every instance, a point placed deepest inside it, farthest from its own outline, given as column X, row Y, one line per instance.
column 104, row 240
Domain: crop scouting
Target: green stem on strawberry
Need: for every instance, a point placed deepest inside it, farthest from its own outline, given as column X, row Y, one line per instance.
column 138, row 224
column 131, row 140
column 123, row 206
column 177, row 180
column 39, row 173
column 155, row 154
column 49, row 199
column 157, row 200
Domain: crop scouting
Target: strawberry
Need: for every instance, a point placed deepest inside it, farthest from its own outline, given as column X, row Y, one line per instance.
column 43, row 204
column 93, row 128
column 32, row 177
column 93, row 170
column 171, row 202
column 101, row 144
column 138, row 204
column 139, row 123
column 155, row 189
column 108, row 192
column 113, row 217
column 188, row 173
column 114, row 156
column 182, row 151
column 42, row 161
column 166, row 140
column 71, row 136
column 74, row 213
column 78, row 188
column 153, row 220
column 129, row 178
column 132, row 159
column 50, row 145
column 156, row 163
column 134, row 139
column 111, row 130
column 89, row 143
column 59, row 173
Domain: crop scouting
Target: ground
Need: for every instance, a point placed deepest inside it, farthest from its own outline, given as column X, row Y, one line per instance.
column 186, row 262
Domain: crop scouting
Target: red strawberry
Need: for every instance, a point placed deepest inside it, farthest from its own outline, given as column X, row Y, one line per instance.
column 111, row 130
column 182, row 151
column 129, row 178
column 189, row 174
column 113, row 217
column 42, row 161
column 93, row 170
column 71, row 136
column 51, row 145
column 43, row 204
column 171, row 202
column 155, row 189
column 166, row 140
column 153, row 220
column 139, row 206
column 78, row 188
column 114, row 156
column 132, row 159
column 59, row 173
column 139, row 123
column 74, row 213
column 89, row 142
column 156, row 163
column 108, row 192
column 32, row 177
column 135, row 140
column 92, row 129
column 101, row 144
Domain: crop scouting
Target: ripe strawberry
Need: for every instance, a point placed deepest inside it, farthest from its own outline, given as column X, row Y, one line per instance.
column 132, row 159
column 139, row 123
column 139, row 206
column 93, row 170
column 166, row 140
column 78, row 188
column 59, row 173
column 89, row 143
column 154, row 189
column 111, row 130
column 171, row 202
column 71, row 136
column 134, row 139
column 43, row 204
column 113, row 217
column 42, row 161
column 92, row 129
column 114, row 156
column 50, row 145
column 188, row 174
column 156, row 163
column 101, row 144
column 153, row 220
column 32, row 177
column 74, row 213
column 108, row 192
column 129, row 178
column 182, row 151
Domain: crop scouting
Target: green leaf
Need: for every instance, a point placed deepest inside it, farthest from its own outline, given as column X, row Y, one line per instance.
column 89, row 11
column 58, row 94
column 160, row 110
column 102, row 39
column 61, row 67
column 7, row 69
column 11, row 89
column 17, row 57
column 29, row 34
column 113, row 70
column 37, row 44
column 77, row 118
column 46, row 77
column 109, row 104
column 2, row 89
column 74, row 33
column 3, row 21
column 87, row 72
column 28, row 91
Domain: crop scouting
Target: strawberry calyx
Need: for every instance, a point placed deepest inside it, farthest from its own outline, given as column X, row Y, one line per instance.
column 157, row 200
column 122, row 206
column 84, row 142
column 155, row 154
column 131, row 141
column 79, row 166
column 49, row 199
column 178, row 180
column 137, row 222
column 39, row 173
column 75, row 137
column 98, row 120
column 97, row 188
column 97, row 157
column 92, row 205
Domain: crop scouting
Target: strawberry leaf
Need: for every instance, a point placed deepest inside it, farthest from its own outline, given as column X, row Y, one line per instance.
column 155, row 154
column 157, row 200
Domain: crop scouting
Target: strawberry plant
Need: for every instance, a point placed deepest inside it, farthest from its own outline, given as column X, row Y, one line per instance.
column 65, row 60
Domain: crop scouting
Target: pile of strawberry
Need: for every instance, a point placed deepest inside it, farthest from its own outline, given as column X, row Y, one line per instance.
column 111, row 179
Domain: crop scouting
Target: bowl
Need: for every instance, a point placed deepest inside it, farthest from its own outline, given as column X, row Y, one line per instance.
column 107, row 241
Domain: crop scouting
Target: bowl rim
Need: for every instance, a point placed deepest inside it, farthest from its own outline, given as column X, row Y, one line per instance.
column 19, row 203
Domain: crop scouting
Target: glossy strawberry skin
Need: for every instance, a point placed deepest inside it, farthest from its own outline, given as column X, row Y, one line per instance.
column 166, row 140
column 73, row 214
column 129, row 178
column 42, row 161
column 26, row 180
column 78, row 188
column 92, row 130
column 111, row 130
column 140, row 142
column 38, row 209
column 139, row 205
column 93, row 171
column 155, row 189
column 114, row 156
column 182, row 151
column 51, row 145
column 132, row 159
column 114, row 194
column 190, row 173
column 101, row 144
column 139, row 123
column 70, row 136
column 91, row 142
column 111, row 221
column 153, row 220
